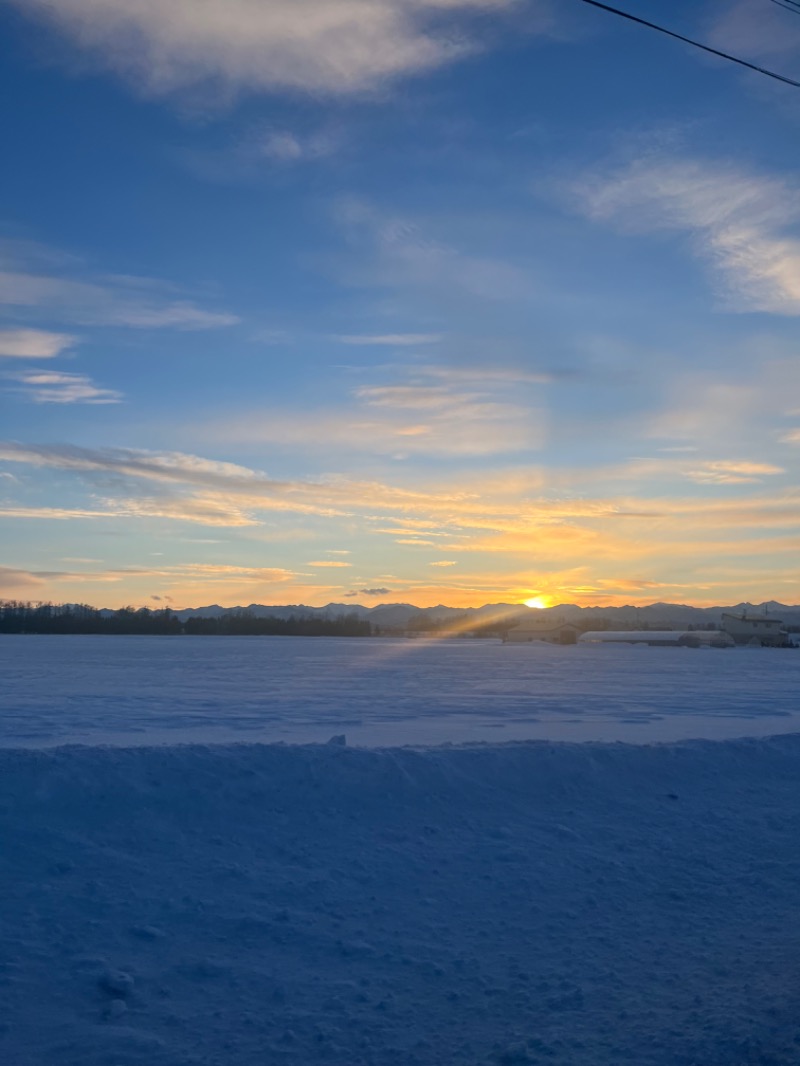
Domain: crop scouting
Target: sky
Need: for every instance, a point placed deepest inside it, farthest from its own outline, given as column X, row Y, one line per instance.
column 425, row 301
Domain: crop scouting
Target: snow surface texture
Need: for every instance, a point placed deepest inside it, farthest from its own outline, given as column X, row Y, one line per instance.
column 134, row 690
column 497, row 905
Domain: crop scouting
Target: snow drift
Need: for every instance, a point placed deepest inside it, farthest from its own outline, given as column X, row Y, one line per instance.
column 524, row 903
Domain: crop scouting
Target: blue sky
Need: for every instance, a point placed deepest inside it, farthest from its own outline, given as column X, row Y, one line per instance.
column 427, row 300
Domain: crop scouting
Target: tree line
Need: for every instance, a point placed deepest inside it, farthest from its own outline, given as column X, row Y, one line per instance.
column 244, row 623
column 79, row 618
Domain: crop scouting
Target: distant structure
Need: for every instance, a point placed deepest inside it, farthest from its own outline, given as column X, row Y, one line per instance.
column 662, row 638
column 543, row 628
column 756, row 630
column 742, row 629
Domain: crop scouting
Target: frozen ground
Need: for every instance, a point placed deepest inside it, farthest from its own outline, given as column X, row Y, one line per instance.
column 257, row 904
column 498, row 905
column 133, row 690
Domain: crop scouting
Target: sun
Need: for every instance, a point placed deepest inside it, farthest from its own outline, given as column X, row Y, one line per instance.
column 539, row 602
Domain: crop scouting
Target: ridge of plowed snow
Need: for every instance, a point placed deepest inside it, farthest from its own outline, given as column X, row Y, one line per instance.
column 525, row 903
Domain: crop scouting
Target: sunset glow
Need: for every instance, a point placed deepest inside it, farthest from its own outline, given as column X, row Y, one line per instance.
column 389, row 326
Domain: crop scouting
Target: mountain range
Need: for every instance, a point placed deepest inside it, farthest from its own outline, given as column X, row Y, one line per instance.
column 403, row 614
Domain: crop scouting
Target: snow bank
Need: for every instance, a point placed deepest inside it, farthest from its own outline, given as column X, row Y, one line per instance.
column 524, row 903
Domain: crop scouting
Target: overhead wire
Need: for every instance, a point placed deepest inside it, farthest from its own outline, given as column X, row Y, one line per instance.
column 790, row 5
column 695, row 44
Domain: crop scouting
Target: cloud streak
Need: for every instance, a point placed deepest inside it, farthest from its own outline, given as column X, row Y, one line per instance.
column 757, row 30
column 35, row 278
column 490, row 519
column 334, row 46
column 391, row 340
column 510, row 540
column 732, row 472
column 33, row 343
column 51, row 387
column 284, row 146
column 740, row 222
column 430, row 411
column 397, row 251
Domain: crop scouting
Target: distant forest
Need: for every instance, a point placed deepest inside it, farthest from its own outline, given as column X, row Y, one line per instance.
column 16, row 617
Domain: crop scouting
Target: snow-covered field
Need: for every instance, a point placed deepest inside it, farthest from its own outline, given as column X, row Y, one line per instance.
column 133, row 690
column 493, row 904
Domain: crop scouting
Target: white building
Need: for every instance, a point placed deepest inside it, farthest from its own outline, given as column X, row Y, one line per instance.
column 664, row 638
column 756, row 629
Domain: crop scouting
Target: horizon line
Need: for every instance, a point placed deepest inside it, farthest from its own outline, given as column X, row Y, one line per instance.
column 404, row 603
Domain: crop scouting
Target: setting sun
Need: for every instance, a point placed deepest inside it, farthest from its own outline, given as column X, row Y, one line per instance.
column 540, row 602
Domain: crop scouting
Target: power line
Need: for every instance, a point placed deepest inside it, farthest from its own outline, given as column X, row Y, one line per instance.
column 790, row 5
column 695, row 44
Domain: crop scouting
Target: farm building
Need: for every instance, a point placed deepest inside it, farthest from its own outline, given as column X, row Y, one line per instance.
column 547, row 629
column 757, row 630
column 663, row 638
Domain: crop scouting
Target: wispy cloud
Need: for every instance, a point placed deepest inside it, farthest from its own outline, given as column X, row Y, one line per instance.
column 757, row 31
column 392, row 340
column 35, row 277
column 740, row 222
column 205, row 508
column 722, row 411
column 488, row 376
column 407, row 526
column 46, row 386
column 429, row 411
column 482, row 521
column 259, row 150
column 339, row 46
column 224, row 572
column 398, row 251
column 12, row 580
column 411, row 397
column 192, row 488
column 285, row 146
column 206, row 512
column 732, row 472
column 11, row 510
column 33, row 343
column 189, row 487
column 25, row 581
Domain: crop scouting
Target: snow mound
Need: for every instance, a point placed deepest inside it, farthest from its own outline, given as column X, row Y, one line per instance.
column 525, row 903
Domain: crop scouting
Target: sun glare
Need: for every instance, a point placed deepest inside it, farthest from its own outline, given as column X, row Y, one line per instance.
column 539, row 602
